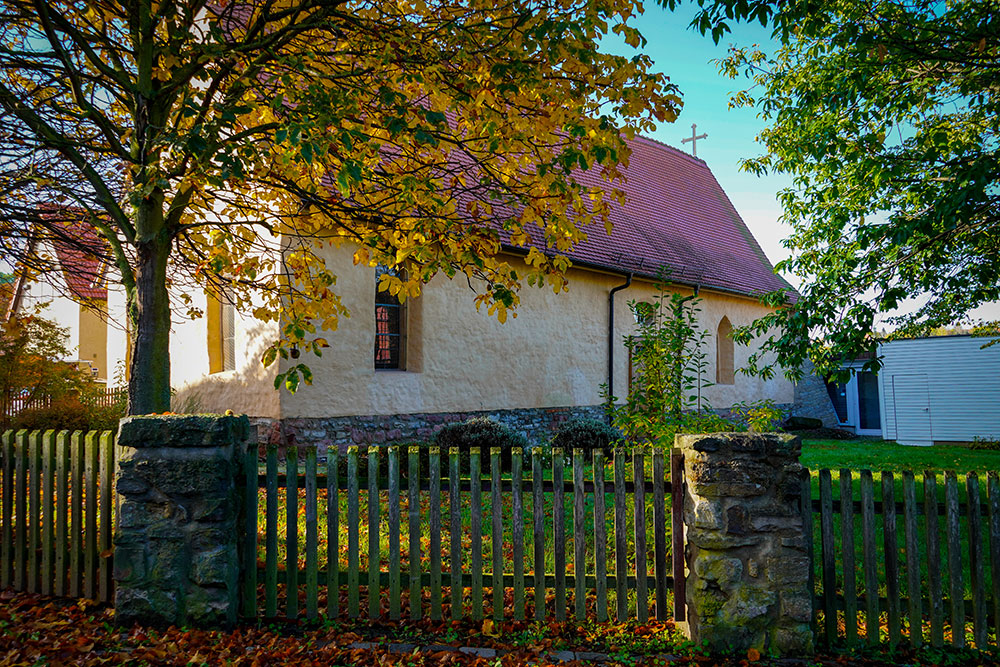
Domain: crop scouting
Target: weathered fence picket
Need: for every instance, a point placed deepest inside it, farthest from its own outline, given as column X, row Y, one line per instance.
column 868, row 545
column 475, row 530
column 558, row 531
column 445, row 506
column 394, row 557
column 828, row 556
column 374, row 555
column 62, row 512
column 271, row 534
column 913, row 588
column 292, row 534
column 579, row 543
column 7, row 512
column 353, row 543
column 517, row 533
column 538, row 534
column 639, row 532
column 954, row 560
column 977, row 575
column 332, row 533
column 600, row 537
column 993, row 490
column 455, row 548
column 933, row 559
column 312, row 566
column 847, row 545
column 35, row 514
column 435, row 546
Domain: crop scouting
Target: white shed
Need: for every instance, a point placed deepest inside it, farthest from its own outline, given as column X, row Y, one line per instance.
column 940, row 389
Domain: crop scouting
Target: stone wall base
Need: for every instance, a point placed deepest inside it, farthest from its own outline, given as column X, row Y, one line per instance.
column 539, row 424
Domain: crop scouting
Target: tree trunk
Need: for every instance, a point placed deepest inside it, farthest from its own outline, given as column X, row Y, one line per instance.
column 149, row 377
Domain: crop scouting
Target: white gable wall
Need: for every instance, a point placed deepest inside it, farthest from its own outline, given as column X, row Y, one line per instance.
column 553, row 354
column 940, row 389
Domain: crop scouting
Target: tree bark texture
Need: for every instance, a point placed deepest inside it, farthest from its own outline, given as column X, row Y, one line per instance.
column 149, row 376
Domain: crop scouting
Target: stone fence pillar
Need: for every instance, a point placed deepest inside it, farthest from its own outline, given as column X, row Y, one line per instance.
column 747, row 553
column 176, row 558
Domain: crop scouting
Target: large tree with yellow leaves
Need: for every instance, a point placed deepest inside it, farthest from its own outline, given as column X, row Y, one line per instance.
column 219, row 145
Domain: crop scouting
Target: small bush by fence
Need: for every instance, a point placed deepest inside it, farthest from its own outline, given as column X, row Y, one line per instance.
column 57, row 508
column 502, row 535
column 940, row 571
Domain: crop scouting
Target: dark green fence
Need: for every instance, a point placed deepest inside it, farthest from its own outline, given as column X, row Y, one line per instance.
column 907, row 560
column 56, row 512
column 502, row 534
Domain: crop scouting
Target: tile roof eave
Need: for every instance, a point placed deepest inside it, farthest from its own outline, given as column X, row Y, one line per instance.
column 652, row 276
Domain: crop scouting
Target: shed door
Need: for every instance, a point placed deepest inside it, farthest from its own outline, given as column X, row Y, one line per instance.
column 913, row 410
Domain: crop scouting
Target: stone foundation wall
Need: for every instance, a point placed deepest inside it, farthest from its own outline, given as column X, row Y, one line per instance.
column 539, row 424
column 746, row 550
column 812, row 399
column 176, row 559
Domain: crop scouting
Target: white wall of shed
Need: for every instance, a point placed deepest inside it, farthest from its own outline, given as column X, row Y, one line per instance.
column 963, row 385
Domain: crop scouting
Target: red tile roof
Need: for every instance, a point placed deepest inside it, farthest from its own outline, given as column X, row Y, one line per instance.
column 79, row 250
column 677, row 216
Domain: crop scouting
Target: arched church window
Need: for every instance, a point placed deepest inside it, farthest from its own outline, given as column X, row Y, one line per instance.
column 725, row 371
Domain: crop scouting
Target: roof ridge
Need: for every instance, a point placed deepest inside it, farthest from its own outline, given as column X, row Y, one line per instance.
column 674, row 149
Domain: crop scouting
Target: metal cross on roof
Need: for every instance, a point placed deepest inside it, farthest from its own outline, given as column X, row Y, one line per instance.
column 694, row 139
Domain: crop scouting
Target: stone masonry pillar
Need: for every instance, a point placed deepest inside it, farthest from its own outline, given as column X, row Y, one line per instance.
column 176, row 558
column 747, row 553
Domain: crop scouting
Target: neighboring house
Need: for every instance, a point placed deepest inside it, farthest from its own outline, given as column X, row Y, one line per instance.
column 395, row 372
column 929, row 390
column 76, row 292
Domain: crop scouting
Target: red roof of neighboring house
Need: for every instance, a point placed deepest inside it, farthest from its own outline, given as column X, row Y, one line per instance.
column 80, row 250
column 677, row 216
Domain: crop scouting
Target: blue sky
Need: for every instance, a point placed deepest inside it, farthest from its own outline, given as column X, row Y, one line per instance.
column 685, row 56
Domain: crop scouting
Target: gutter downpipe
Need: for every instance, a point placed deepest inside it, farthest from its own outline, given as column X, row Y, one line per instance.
column 611, row 333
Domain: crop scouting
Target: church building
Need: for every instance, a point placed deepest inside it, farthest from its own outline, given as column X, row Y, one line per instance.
column 395, row 373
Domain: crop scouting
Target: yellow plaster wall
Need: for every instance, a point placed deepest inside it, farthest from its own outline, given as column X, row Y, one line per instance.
column 93, row 345
column 249, row 389
column 554, row 354
column 213, row 324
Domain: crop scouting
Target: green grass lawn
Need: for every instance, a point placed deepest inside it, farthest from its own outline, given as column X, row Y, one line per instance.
column 884, row 455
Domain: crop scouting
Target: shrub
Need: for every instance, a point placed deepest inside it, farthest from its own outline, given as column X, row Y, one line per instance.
column 586, row 434
column 480, row 432
column 987, row 443
column 707, row 422
column 66, row 414
column 70, row 415
column 761, row 416
column 484, row 433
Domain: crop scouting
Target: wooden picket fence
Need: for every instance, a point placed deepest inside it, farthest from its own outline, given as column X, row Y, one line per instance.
column 392, row 537
column 12, row 406
column 916, row 592
column 57, row 510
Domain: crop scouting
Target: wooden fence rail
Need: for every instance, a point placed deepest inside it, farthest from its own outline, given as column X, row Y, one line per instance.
column 898, row 584
column 407, row 528
column 56, row 512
